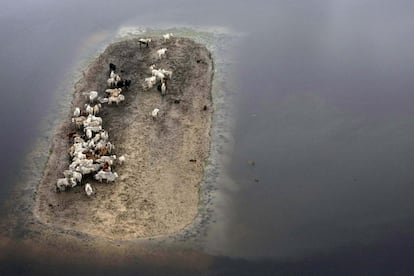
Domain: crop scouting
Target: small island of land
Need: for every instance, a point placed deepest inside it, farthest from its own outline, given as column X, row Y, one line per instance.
column 157, row 192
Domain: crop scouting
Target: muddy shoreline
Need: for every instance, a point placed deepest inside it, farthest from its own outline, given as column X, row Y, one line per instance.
column 157, row 192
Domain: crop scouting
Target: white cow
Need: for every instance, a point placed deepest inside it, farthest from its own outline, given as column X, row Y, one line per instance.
column 161, row 52
column 154, row 113
column 167, row 36
column 116, row 100
column 88, row 189
column 76, row 112
column 121, row 159
column 62, row 183
column 145, row 41
column 108, row 176
column 114, row 92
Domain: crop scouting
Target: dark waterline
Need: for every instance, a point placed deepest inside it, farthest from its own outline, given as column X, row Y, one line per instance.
column 324, row 110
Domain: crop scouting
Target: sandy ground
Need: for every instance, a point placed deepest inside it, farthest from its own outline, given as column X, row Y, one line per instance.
column 157, row 192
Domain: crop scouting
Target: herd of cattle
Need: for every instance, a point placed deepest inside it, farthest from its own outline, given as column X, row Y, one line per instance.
column 91, row 152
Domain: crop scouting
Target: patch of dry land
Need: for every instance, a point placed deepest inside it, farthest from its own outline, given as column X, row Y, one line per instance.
column 157, row 192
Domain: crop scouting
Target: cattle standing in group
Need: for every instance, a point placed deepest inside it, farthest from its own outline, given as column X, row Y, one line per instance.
column 89, row 150
column 164, row 87
column 161, row 52
column 167, row 36
column 144, row 41
column 88, row 189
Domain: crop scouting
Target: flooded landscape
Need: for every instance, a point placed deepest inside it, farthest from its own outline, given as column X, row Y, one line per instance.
column 310, row 169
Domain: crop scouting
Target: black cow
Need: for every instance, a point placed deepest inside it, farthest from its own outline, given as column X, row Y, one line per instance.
column 112, row 67
column 123, row 83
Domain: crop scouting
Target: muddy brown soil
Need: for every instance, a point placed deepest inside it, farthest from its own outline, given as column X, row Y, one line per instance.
column 157, row 192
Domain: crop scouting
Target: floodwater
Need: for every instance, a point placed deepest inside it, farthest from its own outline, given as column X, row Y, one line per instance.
column 317, row 155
